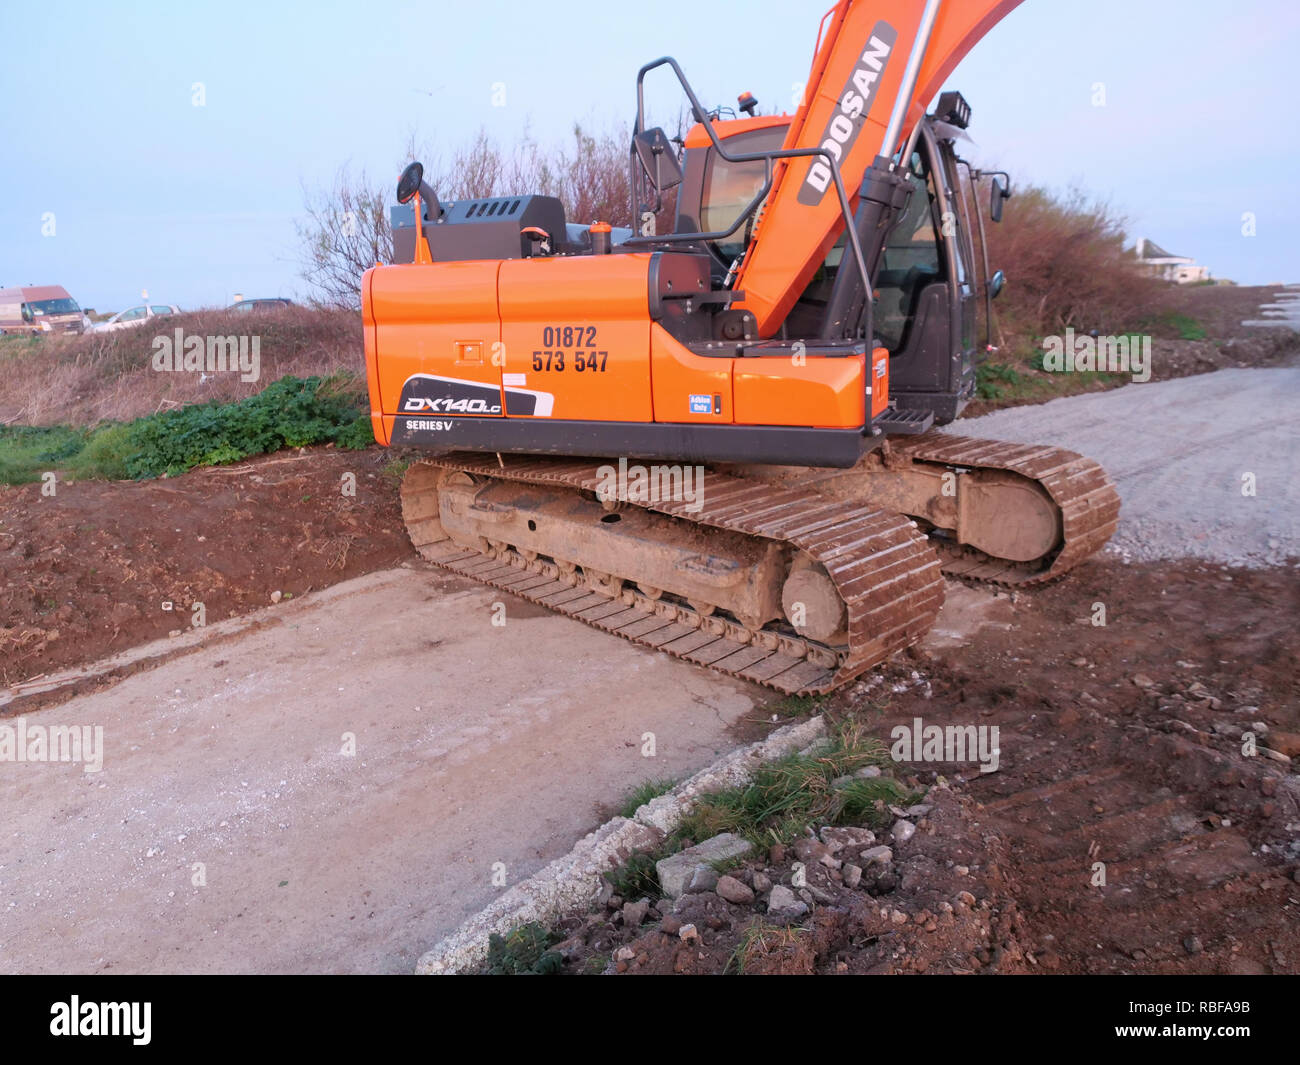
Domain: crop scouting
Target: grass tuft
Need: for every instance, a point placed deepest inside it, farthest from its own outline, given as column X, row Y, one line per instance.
column 643, row 793
column 523, row 951
column 762, row 940
column 636, row 878
column 800, row 790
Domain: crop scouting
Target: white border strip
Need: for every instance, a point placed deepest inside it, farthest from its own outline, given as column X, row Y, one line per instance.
column 570, row 884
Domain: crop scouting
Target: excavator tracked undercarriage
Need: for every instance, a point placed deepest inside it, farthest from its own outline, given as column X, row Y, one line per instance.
column 797, row 336
column 800, row 583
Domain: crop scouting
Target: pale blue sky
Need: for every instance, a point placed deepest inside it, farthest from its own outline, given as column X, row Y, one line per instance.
column 198, row 203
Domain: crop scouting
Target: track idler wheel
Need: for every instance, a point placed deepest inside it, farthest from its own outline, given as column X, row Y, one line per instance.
column 812, row 603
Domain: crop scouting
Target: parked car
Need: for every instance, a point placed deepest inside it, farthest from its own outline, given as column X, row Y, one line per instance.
column 40, row 309
column 134, row 316
column 260, row 305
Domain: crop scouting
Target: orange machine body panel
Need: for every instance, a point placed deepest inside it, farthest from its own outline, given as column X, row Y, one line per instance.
column 878, row 386
column 698, row 136
column 577, row 329
column 381, row 427
column 574, row 334
column 432, row 320
column 819, row 392
column 689, row 387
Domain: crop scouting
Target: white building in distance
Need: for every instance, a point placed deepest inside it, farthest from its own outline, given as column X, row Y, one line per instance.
column 1177, row 268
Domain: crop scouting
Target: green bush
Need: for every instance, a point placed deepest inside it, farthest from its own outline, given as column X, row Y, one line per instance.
column 105, row 455
column 29, row 451
column 1184, row 326
column 994, row 379
column 291, row 412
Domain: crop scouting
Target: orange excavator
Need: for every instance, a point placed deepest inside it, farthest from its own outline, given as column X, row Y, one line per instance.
column 719, row 441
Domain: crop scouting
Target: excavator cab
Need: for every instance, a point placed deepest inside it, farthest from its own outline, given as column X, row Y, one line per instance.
column 715, row 191
column 925, row 294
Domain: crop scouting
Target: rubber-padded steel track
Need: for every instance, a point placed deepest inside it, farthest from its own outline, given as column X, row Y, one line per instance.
column 883, row 567
column 1087, row 499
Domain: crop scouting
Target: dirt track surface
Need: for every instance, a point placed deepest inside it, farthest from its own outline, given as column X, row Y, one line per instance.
column 475, row 744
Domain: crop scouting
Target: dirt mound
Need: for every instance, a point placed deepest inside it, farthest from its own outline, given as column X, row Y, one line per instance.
column 91, row 570
column 926, row 908
column 1144, row 830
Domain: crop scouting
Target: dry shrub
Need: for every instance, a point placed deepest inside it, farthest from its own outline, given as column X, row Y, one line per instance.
column 99, row 377
column 1066, row 266
column 347, row 231
column 589, row 174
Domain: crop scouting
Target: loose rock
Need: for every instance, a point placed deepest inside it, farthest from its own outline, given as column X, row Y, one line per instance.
column 705, row 878
column 634, row 913
column 734, row 891
column 677, row 870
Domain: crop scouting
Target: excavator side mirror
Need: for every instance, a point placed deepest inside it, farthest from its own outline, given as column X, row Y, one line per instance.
column 996, row 284
column 999, row 195
column 409, row 183
column 658, row 159
column 412, row 182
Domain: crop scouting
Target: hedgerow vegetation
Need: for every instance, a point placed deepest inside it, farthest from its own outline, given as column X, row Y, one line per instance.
column 1069, row 265
column 291, row 412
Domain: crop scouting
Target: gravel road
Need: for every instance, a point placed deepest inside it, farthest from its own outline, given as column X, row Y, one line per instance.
column 1183, row 454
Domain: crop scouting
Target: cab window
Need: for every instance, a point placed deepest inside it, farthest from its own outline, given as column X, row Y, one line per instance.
column 911, row 259
column 730, row 187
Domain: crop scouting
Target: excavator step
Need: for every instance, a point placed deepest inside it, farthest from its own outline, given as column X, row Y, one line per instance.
column 904, row 422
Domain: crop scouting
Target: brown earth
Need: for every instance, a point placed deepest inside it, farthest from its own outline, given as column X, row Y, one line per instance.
column 1222, row 308
column 86, row 573
column 1120, row 745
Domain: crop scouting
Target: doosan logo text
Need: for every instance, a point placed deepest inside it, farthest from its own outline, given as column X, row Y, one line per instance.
column 850, row 114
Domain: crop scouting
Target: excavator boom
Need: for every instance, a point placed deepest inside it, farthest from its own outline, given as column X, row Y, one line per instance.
column 858, row 78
